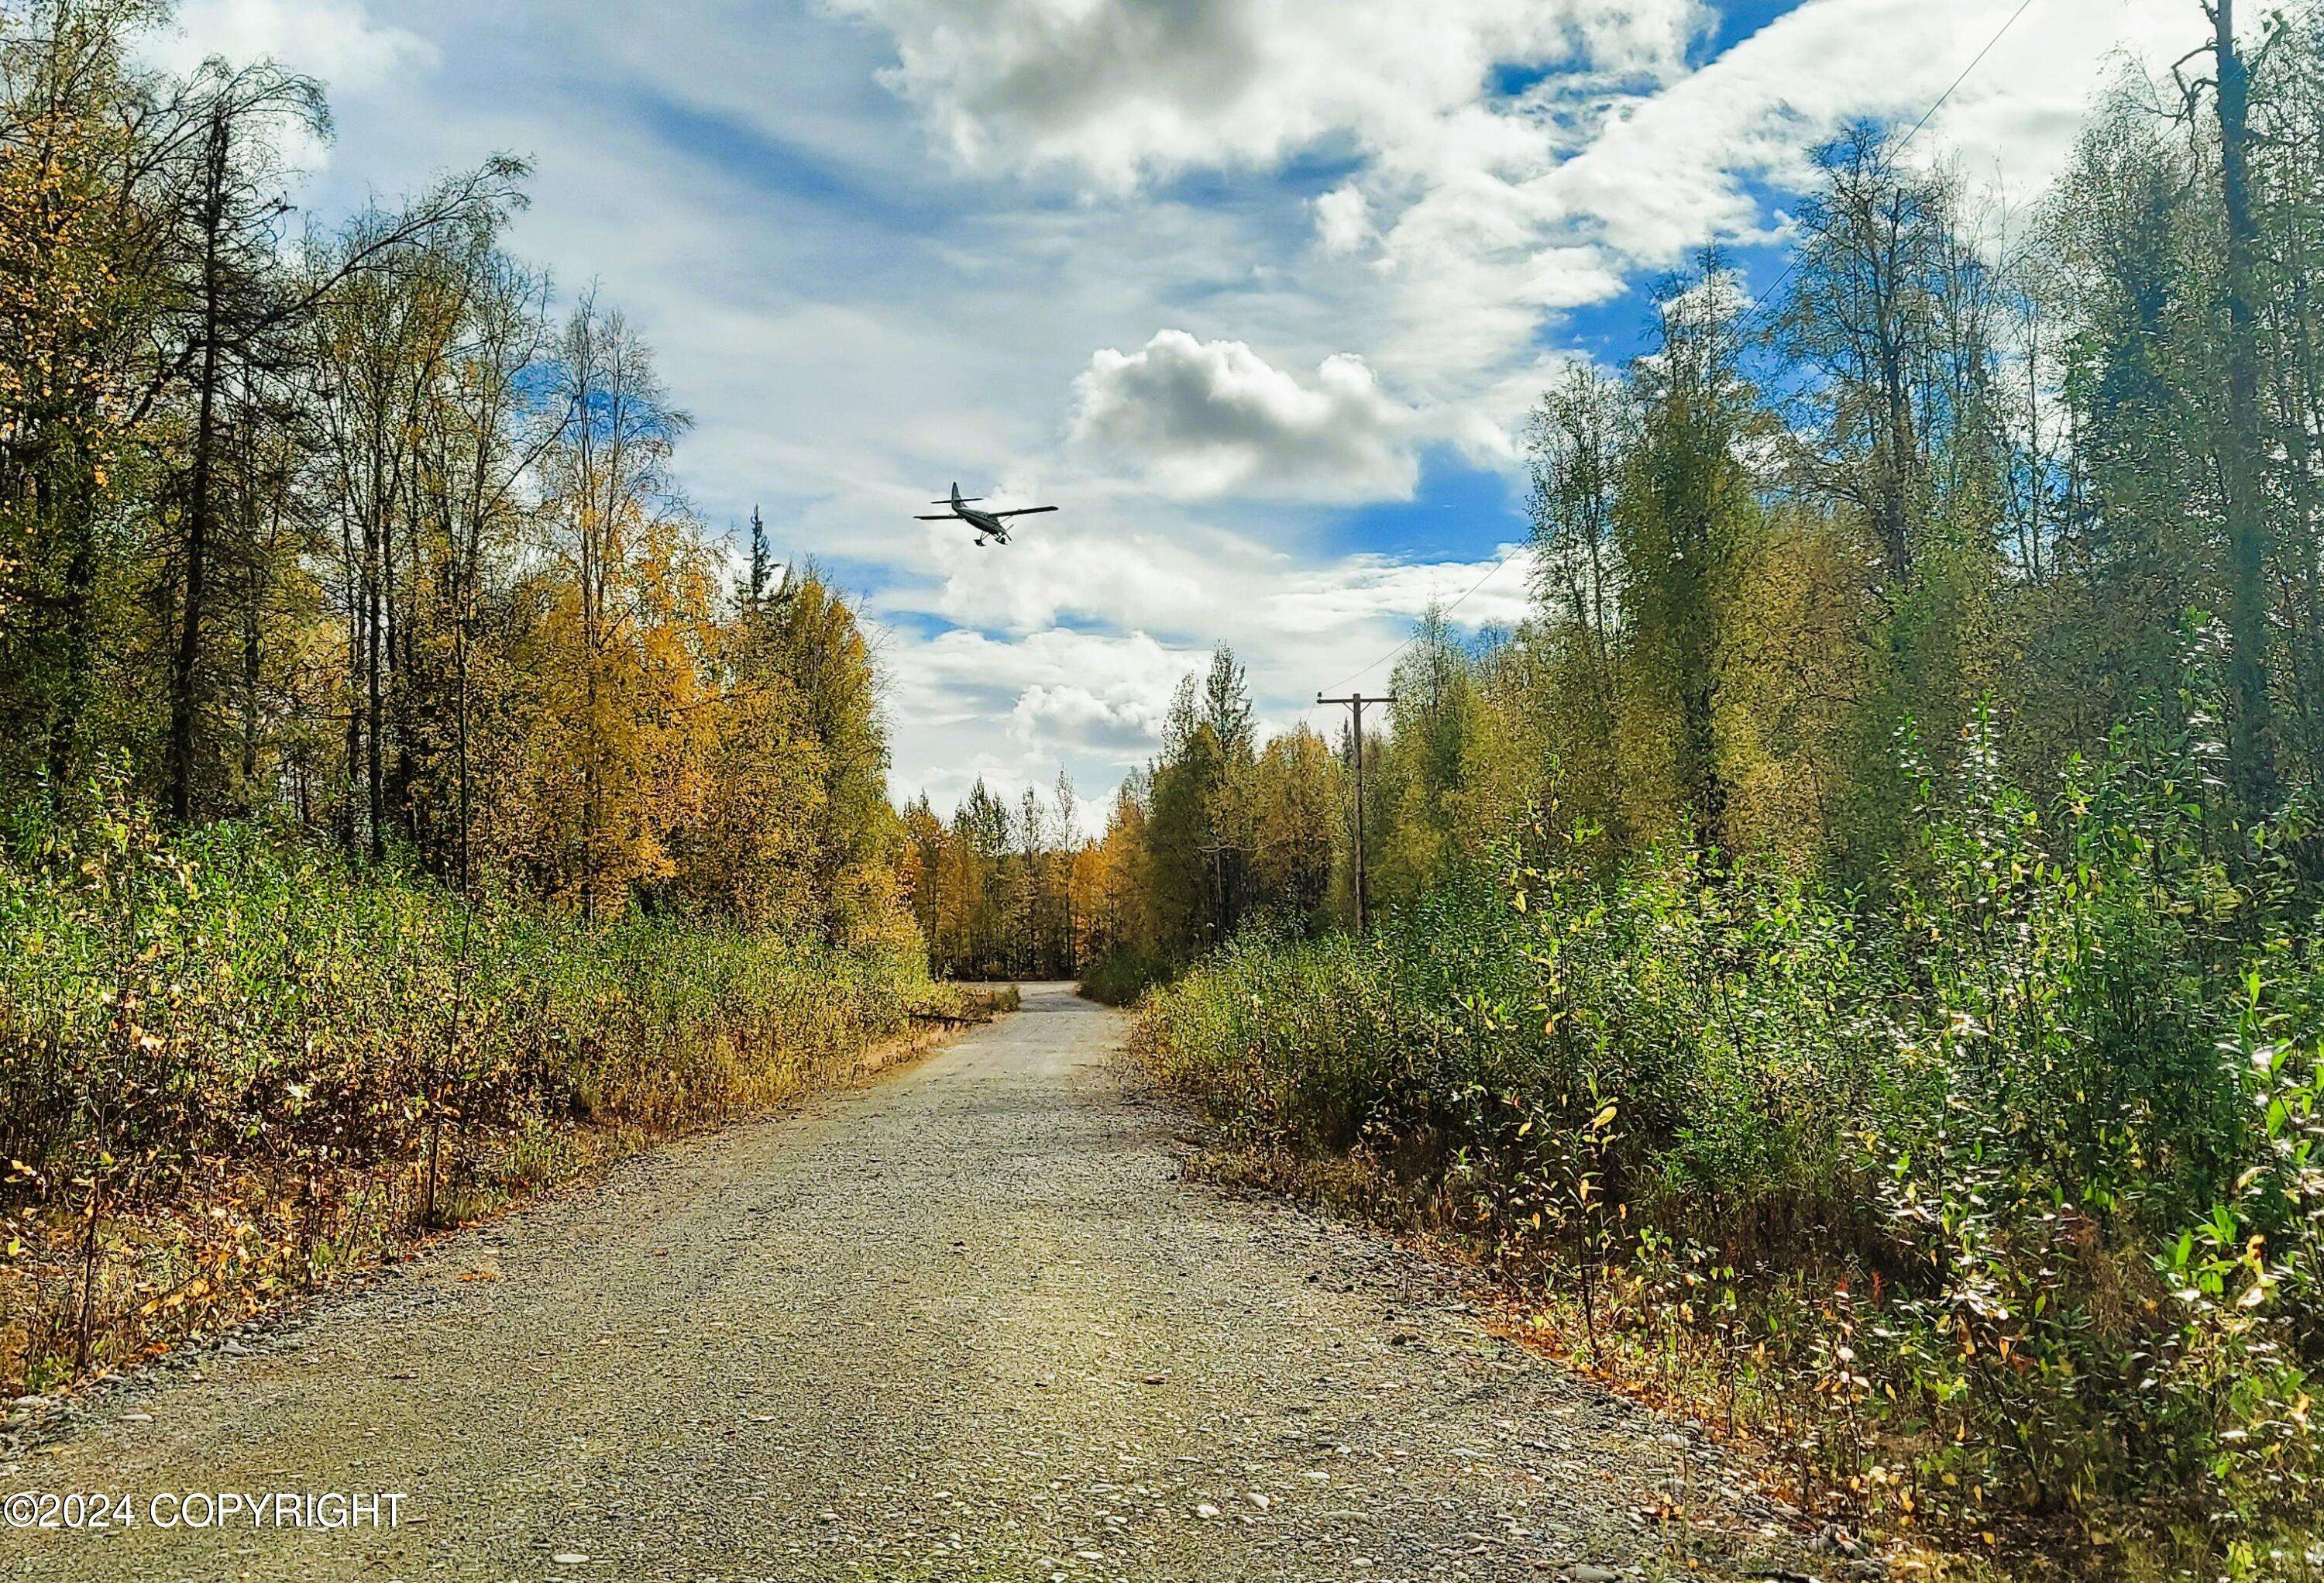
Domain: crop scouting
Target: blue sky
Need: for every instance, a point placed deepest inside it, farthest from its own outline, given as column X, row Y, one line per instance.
column 1256, row 292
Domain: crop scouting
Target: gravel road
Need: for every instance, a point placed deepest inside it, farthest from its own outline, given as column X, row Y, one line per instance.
column 969, row 1322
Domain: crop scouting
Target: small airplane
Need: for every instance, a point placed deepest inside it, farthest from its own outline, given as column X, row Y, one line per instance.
column 989, row 525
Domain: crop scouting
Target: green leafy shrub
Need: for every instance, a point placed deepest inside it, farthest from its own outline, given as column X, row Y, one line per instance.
column 1997, row 1186
column 1120, row 977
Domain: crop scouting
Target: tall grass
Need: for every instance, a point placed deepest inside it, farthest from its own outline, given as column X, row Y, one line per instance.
column 1998, row 1188
column 231, row 1066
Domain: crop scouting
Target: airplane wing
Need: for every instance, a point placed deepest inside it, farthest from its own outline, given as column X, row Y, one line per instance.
column 1024, row 510
column 939, row 517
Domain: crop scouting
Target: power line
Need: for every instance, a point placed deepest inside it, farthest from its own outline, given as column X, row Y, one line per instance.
column 1975, row 62
column 1507, row 555
column 1901, row 143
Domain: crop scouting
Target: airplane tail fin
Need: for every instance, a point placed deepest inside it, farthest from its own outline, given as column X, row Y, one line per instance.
column 955, row 492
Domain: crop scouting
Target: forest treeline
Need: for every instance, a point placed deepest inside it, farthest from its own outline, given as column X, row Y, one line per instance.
column 1219, row 828
column 1849, row 950
column 406, row 798
column 352, row 528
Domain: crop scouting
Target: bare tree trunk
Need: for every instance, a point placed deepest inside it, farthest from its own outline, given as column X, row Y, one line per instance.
column 353, row 583
column 183, row 667
column 252, row 654
column 254, row 649
column 2252, row 733
column 372, row 702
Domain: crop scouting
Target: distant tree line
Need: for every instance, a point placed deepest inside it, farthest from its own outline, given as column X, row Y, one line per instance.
column 1218, row 831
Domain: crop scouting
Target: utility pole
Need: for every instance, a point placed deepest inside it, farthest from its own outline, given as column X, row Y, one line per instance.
column 1356, row 702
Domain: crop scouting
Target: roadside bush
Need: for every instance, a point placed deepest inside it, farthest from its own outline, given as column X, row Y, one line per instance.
column 231, row 1065
column 2000, row 1187
column 1120, row 976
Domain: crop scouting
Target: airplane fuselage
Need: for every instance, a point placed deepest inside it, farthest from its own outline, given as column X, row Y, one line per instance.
column 984, row 522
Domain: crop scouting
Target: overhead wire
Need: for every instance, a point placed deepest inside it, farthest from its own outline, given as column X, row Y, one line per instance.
column 1762, row 300
column 1507, row 555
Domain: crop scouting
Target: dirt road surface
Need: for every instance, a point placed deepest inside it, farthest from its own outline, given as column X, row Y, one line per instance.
column 967, row 1322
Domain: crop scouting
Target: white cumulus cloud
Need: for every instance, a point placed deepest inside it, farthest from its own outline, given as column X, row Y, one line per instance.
column 1208, row 417
column 1118, row 89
